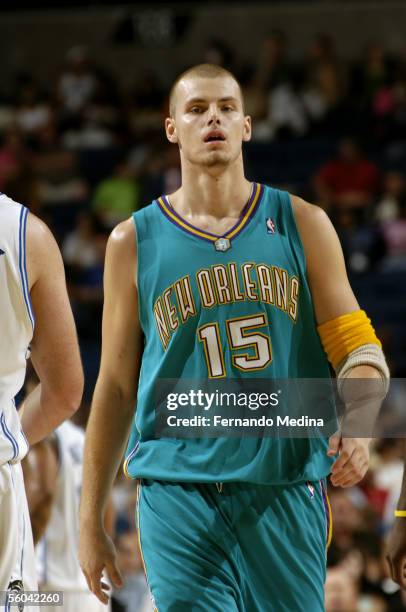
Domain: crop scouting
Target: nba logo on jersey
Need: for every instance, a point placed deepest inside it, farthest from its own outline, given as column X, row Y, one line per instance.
column 270, row 226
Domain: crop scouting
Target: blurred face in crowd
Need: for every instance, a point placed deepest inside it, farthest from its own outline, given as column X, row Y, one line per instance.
column 321, row 48
column 129, row 556
column 207, row 121
column 347, row 517
column 274, row 47
column 340, row 591
column 375, row 55
column 394, row 184
column 349, row 151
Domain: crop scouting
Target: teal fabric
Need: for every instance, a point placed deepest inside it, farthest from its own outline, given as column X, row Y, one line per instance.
column 249, row 548
column 168, row 253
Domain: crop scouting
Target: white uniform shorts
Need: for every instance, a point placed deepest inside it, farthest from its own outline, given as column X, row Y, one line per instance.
column 16, row 543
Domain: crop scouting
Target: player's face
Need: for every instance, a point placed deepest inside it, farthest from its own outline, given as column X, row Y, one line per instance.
column 209, row 123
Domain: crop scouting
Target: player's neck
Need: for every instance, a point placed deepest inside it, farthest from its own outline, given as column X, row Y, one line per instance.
column 217, row 194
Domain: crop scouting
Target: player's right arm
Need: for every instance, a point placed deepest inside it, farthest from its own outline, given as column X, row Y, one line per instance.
column 333, row 299
column 112, row 407
column 54, row 347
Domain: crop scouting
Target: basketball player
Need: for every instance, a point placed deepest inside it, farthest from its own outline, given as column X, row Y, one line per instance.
column 223, row 278
column 53, row 473
column 396, row 544
column 34, row 315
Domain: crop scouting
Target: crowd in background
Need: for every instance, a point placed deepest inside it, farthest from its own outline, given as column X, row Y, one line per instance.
column 85, row 151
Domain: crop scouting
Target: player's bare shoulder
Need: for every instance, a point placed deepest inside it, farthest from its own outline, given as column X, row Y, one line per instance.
column 123, row 232
column 121, row 253
column 42, row 249
column 122, row 240
column 309, row 217
column 315, row 228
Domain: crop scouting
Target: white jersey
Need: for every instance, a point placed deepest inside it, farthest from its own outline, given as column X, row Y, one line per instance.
column 57, row 552
column 16, row 325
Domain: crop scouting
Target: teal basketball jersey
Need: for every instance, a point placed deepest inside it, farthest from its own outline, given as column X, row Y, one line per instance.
column 230, row 307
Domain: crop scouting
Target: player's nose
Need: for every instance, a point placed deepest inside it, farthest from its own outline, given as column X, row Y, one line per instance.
column 213, row 115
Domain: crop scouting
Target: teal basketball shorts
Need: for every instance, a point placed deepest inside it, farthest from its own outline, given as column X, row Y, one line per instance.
column 234, row 546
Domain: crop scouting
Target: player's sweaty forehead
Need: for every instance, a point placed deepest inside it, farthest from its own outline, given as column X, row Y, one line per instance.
column 197, row 89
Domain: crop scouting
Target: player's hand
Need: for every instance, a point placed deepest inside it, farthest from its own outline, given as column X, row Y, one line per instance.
column 353, row 461
column 97, row 553
column 396, row 552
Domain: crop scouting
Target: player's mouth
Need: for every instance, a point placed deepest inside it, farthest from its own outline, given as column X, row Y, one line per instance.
column 215, row 136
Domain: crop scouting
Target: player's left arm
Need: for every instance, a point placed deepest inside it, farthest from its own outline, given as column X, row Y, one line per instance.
column 345, row 331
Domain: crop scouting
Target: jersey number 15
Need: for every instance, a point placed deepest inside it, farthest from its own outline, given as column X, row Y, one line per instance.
column 241, row 333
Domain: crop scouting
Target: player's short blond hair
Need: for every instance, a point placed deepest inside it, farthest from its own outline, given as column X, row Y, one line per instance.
column 211, row 71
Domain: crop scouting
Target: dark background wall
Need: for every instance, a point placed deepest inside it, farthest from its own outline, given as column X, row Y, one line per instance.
column 128, row 38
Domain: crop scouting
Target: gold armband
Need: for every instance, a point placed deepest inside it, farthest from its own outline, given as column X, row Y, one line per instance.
column 400, row 513
column 344, row 334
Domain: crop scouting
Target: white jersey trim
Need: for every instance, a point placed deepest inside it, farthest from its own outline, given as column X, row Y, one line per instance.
column 9, row 436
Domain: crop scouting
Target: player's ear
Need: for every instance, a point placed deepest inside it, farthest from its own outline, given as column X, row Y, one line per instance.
column 170, row 130
column 246, row 134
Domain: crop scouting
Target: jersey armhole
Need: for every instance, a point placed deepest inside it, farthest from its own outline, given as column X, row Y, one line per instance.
column 137, row 274
column 22, row 263
column 296, row 237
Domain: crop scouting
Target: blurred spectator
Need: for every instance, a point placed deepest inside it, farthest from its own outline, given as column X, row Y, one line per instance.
column 392, row 198
column 53, row 164
column 17, row 178
column 33, row 113
column 125, row 501
column 147, row 103
column 324, row 88
column 171, row 170
column 79, row 249
column 274, row 67
column 395, row 238
column 321, row 49
column 77, row 82
column 348, row 507
column 341, row 592
column 88, row 132
column 386, row 478
column 370, row 75
column 349, row 181
column 216, row 51
column 286, row 110
column 280, row 102
column 284, row 113
column 105, row 105
column 134, row 595
column 13, row 155
column 62, row 190
column 147, row 92
column 361, row 240
column 162, row 173
column 117, row 196
column 23, row 187
column 254, row 97
column 85, row 274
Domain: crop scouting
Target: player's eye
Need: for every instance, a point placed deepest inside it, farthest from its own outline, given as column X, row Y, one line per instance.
column 227, row 108
column 195, row 109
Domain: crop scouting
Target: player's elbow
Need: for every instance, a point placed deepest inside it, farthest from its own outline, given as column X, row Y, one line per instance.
column 73, row 396
column 67, row 397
